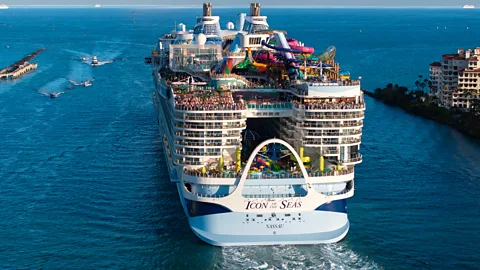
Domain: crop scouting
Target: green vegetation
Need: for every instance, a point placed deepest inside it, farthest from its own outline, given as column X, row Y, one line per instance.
column 417, row 102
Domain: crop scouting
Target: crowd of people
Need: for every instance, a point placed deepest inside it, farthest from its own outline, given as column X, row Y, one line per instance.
column 329, row 105
column 207, row 101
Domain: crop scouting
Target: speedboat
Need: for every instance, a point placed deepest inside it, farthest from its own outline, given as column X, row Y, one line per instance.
column 95, row 61
column 55, row 94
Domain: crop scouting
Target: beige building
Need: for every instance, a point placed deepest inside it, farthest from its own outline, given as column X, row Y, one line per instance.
column 455, row 79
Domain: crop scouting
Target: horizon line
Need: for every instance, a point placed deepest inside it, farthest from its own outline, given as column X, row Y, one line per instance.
column 242, row 6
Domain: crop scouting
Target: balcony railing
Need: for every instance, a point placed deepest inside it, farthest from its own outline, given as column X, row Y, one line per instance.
column 326, row 134
column 207, row 118
column 298, row 175
column 219, row 126
column 207, row 135
column 332, row 125
column 206, row 144
column 195, row 173
column 354, row 158
column 335, row 193
column 217, row 107
column 273, row 196
column 188, row 162
column 200, row 154
column 340, row 116
column 330, row 152
column 273, row 106
column 330, row 142
column 330, row 106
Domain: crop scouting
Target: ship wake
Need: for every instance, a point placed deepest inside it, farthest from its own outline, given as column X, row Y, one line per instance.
column 332, row 256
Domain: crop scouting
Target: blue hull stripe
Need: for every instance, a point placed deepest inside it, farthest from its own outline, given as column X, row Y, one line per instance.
column 339, row 206
column 196, row 209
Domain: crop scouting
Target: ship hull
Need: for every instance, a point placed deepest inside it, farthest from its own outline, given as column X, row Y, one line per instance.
column 233, row 229
column 219, row 226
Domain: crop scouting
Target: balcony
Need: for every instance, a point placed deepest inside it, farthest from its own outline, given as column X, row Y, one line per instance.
column 210, row 127
column 330, row 142
column 354, row 159
column 329, row 106
column 272, row 106
column 331, row 116
column 197, row 154
column 201, row 117
column 206, row 145
column 310, row 125
column 333, row 133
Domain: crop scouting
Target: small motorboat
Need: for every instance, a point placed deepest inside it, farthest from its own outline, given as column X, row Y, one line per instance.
column 95, row 61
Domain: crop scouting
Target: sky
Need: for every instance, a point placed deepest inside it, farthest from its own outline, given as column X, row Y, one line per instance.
column 271, row 3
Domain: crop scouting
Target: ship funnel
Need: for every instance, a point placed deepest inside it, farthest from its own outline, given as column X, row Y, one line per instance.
column 241, row 21
column 207, row 9
column 254, row 9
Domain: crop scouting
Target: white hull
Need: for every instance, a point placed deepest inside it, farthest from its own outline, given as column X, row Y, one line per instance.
column 233, row 229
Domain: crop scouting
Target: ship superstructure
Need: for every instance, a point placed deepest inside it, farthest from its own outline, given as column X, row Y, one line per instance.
column 261, row 135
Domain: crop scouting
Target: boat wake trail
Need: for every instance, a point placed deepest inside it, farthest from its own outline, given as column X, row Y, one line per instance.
column 333, row 256
column 79, row 72
column 105, row 55
column 110, row 54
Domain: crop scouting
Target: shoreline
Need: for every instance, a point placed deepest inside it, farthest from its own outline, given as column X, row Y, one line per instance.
column 464, row 122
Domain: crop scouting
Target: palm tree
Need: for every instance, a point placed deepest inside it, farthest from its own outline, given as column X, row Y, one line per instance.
column 417, row 84
column 468, row 96
column 426, row 83
column 422, row 86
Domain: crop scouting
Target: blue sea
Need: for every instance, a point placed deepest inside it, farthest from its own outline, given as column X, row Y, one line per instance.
column 83, row 183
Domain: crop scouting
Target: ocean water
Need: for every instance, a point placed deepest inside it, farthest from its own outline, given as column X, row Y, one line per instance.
column 83, row 184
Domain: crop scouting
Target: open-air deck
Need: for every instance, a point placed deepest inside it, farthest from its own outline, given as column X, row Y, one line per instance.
column 202, row 99
column 320, row 105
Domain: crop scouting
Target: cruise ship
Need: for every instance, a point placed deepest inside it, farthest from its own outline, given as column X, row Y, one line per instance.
column 260, row 133
column 3, row 7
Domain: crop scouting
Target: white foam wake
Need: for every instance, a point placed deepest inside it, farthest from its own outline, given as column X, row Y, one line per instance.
column 333, row 256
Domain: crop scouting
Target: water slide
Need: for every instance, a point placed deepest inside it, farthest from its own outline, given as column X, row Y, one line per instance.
column 295, row 45
column 283, row 46
column 328, row 54
column 287, row 53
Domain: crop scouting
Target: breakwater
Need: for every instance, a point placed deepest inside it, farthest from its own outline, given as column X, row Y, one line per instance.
column 420, row 104
column 21, row 67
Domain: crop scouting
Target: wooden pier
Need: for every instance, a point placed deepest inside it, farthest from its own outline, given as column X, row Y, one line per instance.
column 21, row 67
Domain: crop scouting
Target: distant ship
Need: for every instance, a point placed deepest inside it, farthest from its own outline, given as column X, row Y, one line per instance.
column 98, row 5
column 468, row 6
column 3, row 7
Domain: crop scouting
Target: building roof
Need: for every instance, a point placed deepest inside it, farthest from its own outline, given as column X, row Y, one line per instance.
column 472, row 70
column 474, row 58
column 435, row 64
column 453, row 57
